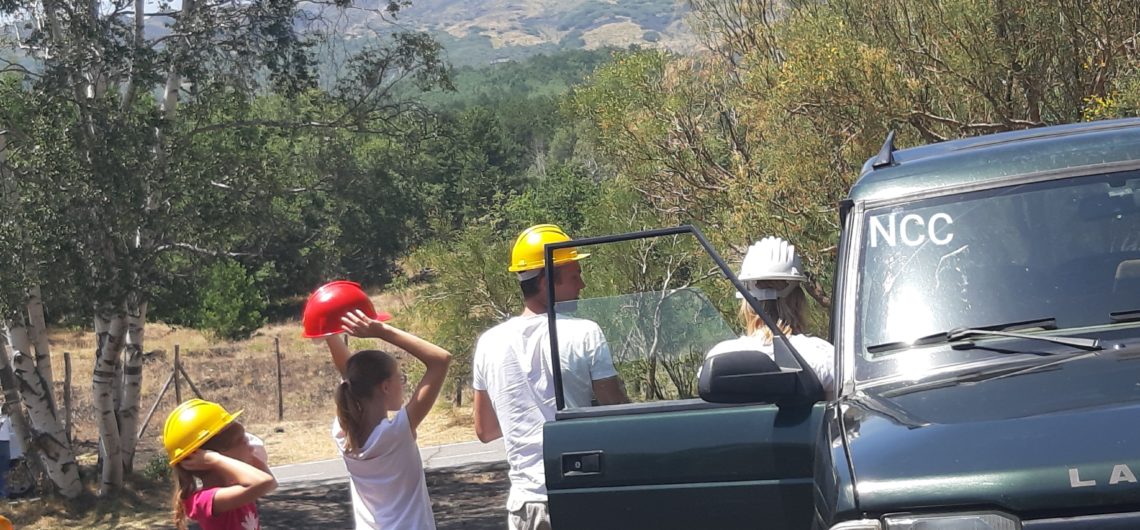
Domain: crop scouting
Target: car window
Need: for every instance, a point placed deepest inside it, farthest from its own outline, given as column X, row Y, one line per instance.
column 658, row 340
column 661, row 305
column 1067, row 249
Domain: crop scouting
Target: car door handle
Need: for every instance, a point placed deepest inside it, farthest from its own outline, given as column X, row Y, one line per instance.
column 580, row 464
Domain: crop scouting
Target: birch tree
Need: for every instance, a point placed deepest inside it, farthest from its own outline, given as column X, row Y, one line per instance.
column 46, row 433
column 26, row 377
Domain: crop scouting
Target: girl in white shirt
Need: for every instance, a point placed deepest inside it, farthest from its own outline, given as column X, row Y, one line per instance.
column 386, row 472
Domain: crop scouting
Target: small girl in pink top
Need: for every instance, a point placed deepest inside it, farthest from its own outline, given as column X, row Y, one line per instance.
column 217, row 477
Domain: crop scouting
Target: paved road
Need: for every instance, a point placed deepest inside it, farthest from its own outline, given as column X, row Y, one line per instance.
column 439, row 456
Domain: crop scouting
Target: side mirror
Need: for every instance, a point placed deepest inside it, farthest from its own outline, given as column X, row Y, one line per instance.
column 747, row 376
column 755, row 377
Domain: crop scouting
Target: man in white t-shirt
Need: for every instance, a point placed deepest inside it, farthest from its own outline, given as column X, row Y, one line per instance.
column 513, row 377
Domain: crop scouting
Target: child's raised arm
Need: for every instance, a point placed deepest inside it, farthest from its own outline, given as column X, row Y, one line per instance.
column 435, row 359
column 339, row 351
column 251, row 483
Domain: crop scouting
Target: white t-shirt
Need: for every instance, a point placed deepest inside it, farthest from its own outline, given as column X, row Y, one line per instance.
column 818, row 353
column 386, row 478
column 512, row 364
column 257, row 447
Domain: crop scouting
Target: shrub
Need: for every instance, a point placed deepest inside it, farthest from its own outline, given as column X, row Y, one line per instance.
column 232, row 305
column 156, row 468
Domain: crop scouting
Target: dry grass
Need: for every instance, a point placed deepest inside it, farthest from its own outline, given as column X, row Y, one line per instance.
column 241, row 375
column 617, row 34
column 142, row 504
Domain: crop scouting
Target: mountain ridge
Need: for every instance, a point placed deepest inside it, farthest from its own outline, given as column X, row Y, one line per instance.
column 488, row 31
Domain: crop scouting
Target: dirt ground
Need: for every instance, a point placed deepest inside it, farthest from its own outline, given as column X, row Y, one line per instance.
column 470, row 498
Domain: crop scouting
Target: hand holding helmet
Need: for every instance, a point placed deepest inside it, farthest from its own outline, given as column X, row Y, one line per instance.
column 359, row 324
column 331, row 302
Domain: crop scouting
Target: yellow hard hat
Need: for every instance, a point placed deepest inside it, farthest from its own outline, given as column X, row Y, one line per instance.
column 527, row 254
column 191, row 424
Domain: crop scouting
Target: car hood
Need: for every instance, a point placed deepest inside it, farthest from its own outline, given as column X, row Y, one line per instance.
column 1063, row 436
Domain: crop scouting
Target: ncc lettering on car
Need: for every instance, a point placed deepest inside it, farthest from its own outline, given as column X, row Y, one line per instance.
column 912, row 229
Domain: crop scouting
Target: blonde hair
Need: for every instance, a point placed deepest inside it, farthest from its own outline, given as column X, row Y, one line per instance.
column 789, row 312
column 184, row 486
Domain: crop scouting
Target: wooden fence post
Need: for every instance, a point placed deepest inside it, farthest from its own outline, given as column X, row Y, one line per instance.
column 67, row 394
column 177, row 385
column 280, row 395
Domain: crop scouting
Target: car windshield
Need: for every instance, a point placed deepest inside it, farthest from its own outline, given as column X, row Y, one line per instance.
column 1067, row 250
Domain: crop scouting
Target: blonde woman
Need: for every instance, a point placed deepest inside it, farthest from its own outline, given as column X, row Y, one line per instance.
column 774, row 275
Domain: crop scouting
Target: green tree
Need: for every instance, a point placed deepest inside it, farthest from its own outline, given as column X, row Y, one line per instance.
column 232, row 306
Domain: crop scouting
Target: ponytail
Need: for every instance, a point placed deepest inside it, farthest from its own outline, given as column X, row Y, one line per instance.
column 363, row 372
column 349, row 412
column 184, row 485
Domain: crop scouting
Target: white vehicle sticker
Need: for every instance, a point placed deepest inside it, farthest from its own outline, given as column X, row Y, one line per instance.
column 911, row 229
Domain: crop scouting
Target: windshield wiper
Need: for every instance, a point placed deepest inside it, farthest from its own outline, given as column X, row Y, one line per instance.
column 959, row 335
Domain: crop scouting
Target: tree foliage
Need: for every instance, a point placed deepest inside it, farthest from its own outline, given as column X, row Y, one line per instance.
column 123, row 145
column 765, row 132
column 232, row 306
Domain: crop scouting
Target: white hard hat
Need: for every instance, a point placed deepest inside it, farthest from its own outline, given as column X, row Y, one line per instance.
column 771, row 258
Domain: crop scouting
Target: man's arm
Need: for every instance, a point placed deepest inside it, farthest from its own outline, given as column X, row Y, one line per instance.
column 606, row 383
column 486, row 422
column 610, row 391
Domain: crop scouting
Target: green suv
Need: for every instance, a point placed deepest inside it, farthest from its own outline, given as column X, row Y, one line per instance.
column 986, row 323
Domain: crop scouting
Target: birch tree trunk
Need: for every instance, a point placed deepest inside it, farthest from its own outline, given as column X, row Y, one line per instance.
column 45, row 433
column 37, row 331
column 110, row 325
column 117, row 381
column 13, row 405
column 50, row 438
column 132, row 382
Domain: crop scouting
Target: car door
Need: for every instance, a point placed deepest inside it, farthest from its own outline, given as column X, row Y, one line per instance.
column 681, row 464
column 669, row 460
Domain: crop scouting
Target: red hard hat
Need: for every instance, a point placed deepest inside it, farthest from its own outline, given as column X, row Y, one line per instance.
column 331, row 302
